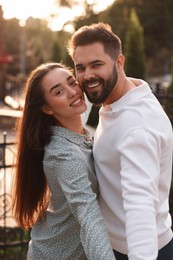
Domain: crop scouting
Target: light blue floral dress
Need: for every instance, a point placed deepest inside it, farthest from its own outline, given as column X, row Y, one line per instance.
column 74, row 228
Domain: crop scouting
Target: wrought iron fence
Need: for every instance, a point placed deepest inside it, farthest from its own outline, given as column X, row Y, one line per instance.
column 13, row 240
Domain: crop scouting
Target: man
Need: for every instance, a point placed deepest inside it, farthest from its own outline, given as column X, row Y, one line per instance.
column 132, row 148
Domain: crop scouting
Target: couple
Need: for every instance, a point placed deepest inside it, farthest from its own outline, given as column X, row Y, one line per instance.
column 56, row 190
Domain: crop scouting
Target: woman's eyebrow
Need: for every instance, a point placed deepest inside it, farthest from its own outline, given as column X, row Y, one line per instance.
column 58, row 84
column 70, row 77
column 55, row 86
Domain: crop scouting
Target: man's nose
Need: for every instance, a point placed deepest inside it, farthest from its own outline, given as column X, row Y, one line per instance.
column 88, row 74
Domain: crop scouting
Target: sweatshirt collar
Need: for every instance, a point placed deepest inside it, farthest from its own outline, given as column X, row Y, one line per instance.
column 132, row 95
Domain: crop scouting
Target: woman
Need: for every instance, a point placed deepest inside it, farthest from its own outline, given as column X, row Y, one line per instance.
column 55, row 184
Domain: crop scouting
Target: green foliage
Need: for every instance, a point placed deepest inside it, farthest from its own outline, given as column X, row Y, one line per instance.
column 36, row 39
column 14, row 243
column 87, row 19
column 56, row 52
column 12, row 43
column 170, row 88
column 118, row 16
column 134, row 48
column 155, row 18
column 170, row 101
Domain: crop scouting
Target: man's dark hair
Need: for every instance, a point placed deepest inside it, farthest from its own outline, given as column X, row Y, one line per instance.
column 98, row 32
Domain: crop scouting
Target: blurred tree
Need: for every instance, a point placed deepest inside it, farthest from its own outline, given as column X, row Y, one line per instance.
column 118, row 16
column 156, row 19
column 62, row 38
column 169, row 108
column 87, row 18
column 39, row 40
column 37, row 43
column 13, row 44
column 67, row 3
column 134, row 48
column 64, row 3
column 56, row 52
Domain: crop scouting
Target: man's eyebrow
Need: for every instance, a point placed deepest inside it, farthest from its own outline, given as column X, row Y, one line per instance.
column 58, row 84
column 90, row 63
column 95, row 61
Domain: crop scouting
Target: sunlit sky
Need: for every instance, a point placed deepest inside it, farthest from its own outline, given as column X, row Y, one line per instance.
column 22, row 9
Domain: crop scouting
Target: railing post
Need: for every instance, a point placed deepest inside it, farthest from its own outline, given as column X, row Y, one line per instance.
column 4, row 164
column 4, row 194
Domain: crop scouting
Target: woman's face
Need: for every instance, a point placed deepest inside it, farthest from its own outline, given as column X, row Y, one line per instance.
column 63, row 95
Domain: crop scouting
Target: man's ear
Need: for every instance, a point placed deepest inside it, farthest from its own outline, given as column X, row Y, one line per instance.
column 120, row 61
column 47, row 110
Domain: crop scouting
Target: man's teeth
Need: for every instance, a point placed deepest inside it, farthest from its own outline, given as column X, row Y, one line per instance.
column 93, row 85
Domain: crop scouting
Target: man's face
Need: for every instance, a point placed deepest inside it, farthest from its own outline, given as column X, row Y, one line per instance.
column 96, row 72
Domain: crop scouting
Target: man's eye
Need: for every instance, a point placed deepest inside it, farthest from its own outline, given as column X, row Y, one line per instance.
column 96, row 65
column 80, row 69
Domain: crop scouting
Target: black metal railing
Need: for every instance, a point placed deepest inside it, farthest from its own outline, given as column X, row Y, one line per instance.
column 13, row 240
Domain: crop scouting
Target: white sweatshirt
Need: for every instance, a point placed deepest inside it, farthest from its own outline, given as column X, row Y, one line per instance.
column 133, row 161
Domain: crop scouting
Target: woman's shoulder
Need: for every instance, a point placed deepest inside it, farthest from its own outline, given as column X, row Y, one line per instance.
column 59, row 144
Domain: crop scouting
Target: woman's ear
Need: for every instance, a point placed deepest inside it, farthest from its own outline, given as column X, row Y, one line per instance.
column 47, row 110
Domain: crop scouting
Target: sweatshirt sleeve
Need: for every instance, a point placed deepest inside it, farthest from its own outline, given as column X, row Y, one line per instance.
column 73, row 179
column 140, row 179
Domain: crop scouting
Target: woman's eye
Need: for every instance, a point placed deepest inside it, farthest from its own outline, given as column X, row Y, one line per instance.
column 74, row 83
column 58, row 92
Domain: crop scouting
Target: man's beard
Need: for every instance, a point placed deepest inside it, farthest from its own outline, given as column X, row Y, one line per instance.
column 97, row 97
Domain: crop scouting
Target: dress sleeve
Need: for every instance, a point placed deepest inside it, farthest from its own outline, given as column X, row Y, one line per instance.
column 139, row 153
column 73, row 178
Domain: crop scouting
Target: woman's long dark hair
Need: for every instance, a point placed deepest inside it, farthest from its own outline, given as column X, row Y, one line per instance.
column 34, row 132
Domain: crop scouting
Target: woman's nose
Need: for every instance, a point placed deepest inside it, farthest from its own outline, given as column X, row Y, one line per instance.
column 72, row 91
